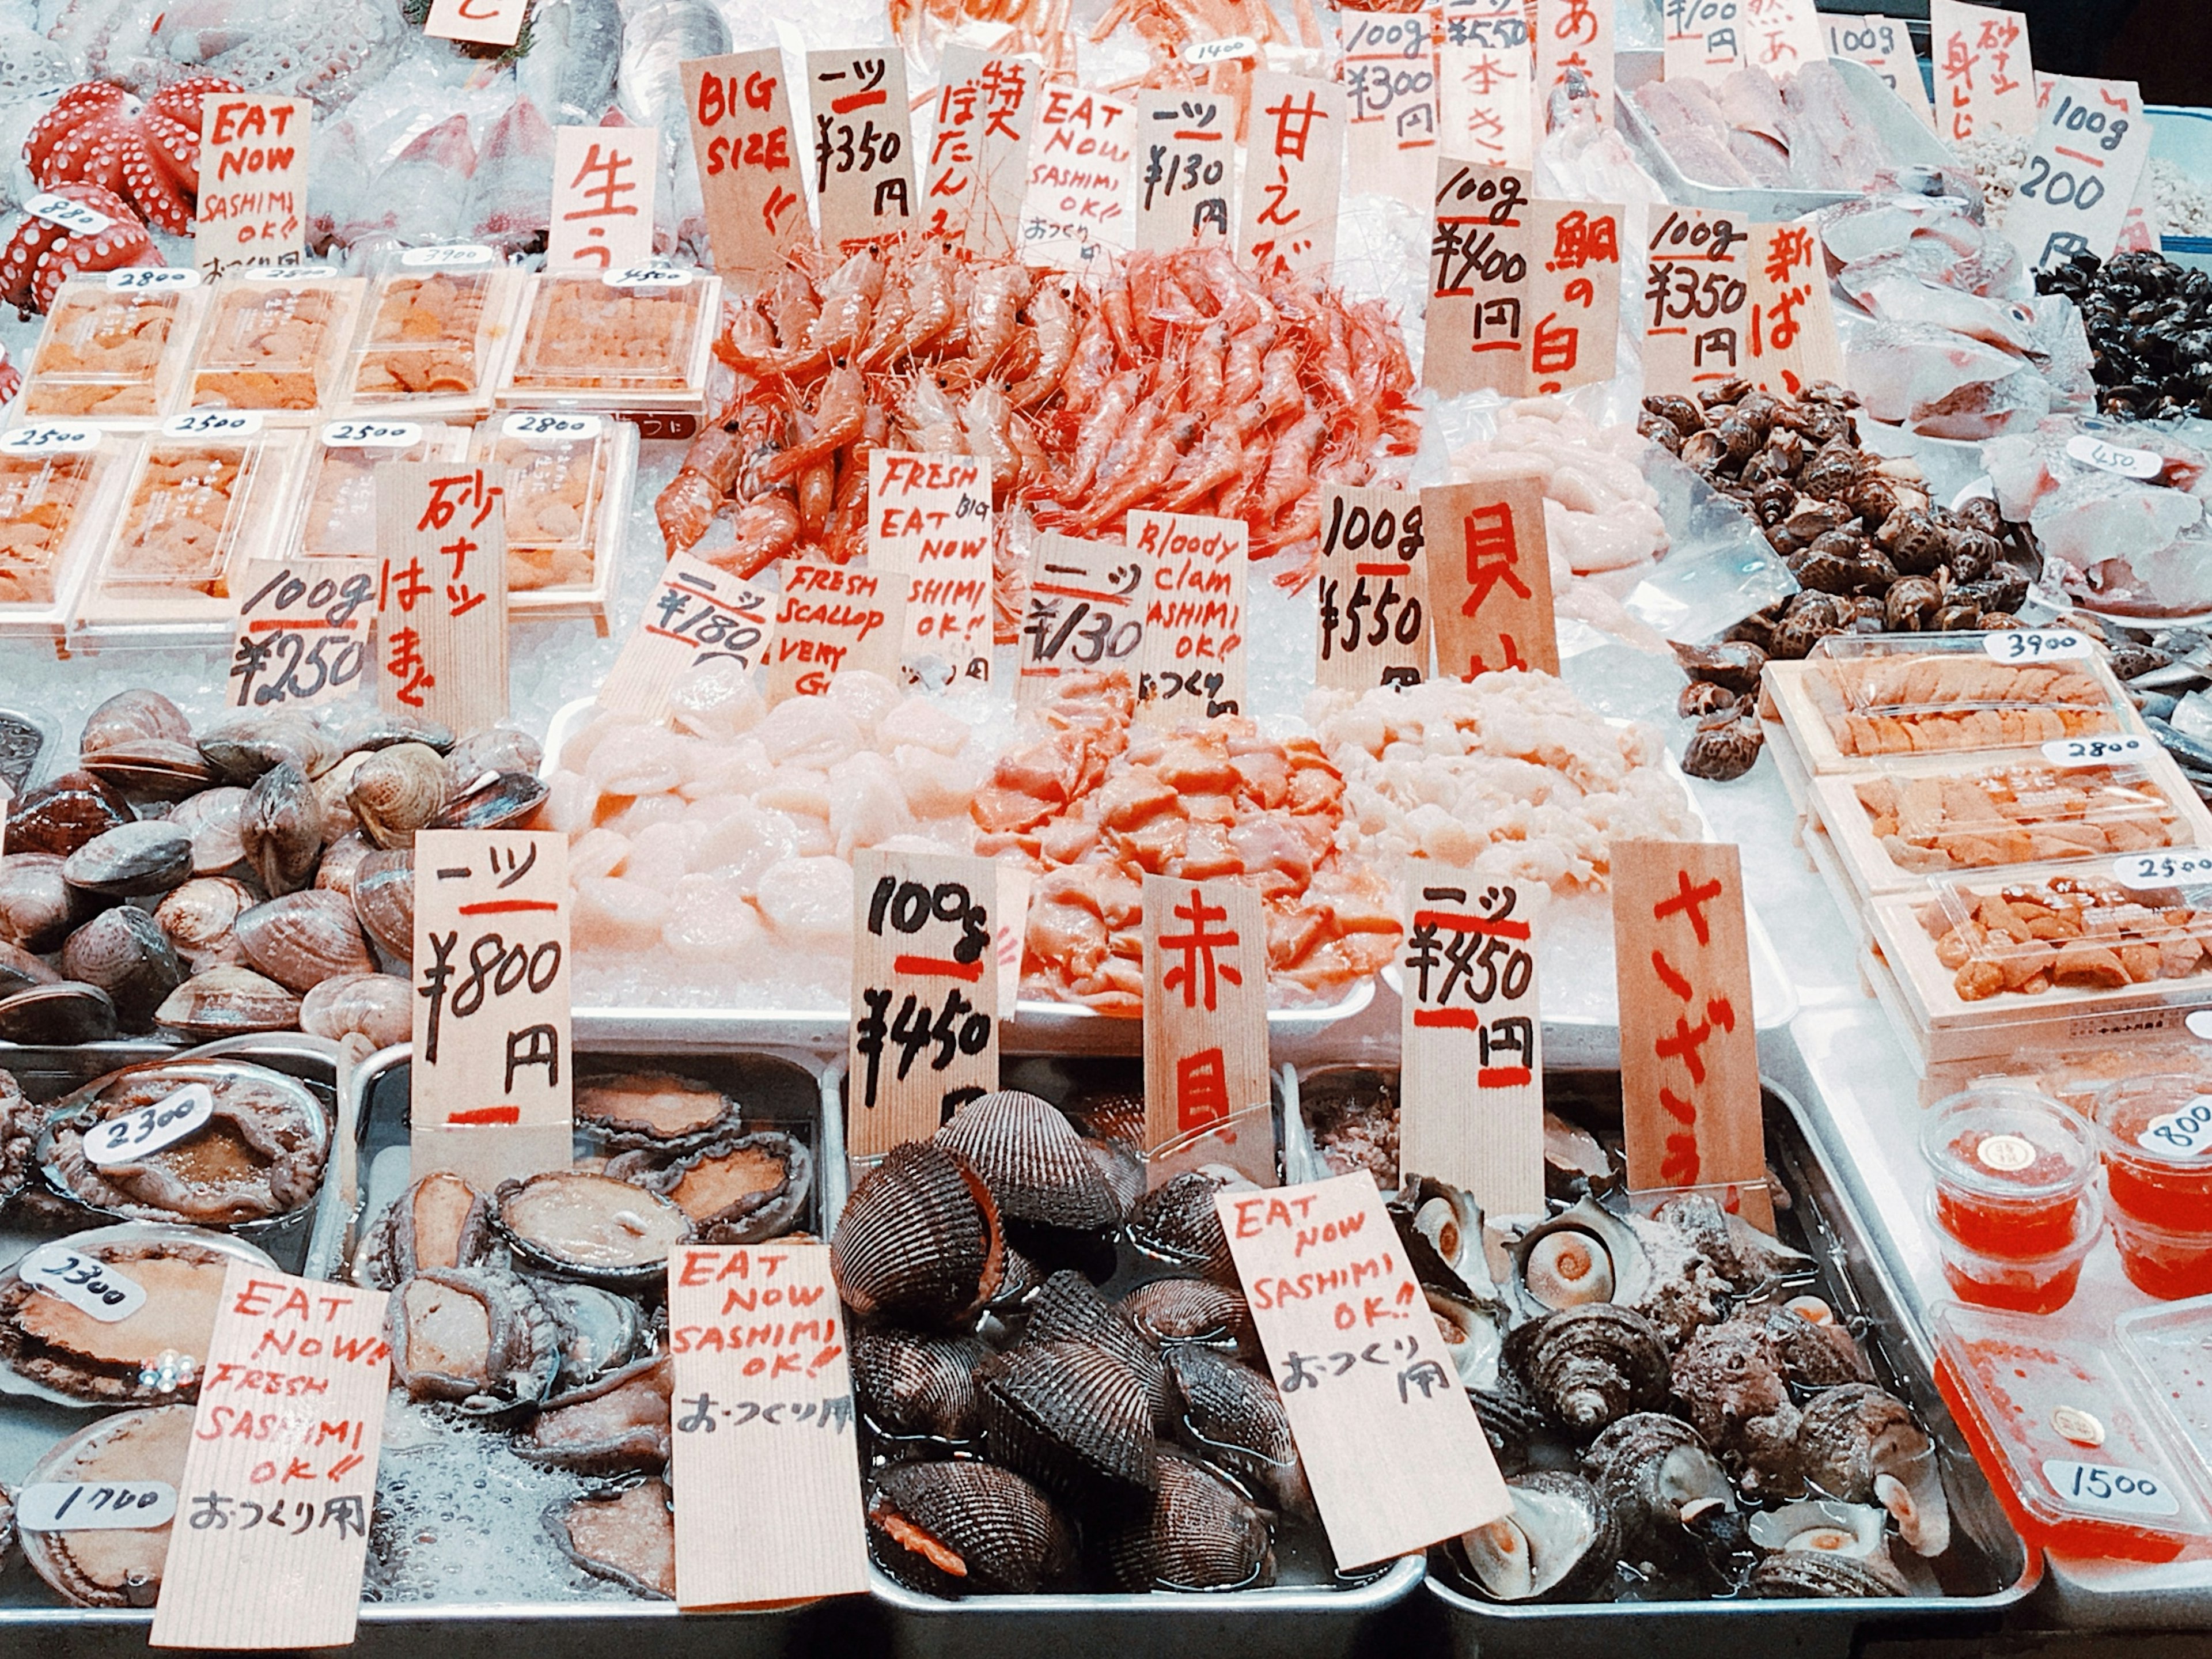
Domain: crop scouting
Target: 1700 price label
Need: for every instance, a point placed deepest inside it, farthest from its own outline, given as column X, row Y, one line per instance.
column 2145, row 871
column 2111, row 1490
column 95, row 1506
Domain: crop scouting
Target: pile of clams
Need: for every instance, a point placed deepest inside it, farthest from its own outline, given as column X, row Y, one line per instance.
column 255, row 876
column 1061, row 1380
column 536, row 1311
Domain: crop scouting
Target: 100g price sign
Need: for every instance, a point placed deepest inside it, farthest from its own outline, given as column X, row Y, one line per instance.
column 302, row 633
column 1373, row 589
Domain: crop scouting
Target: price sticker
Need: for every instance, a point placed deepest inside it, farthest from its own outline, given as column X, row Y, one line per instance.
column 142, row 279
column 2095, row 751
column 863, row 172
column 438, row 258
column 1229, row 49
column 213, row 423
column 95, row 1506
column 2184, row 1133
column 71, row 215
column 2037, row 645
column 2104, row 1490
column 2200, row 1024
column 372, row 435
column 2115, row 458
column 163, row 1123
column 289, row 274
column 49, row 438
column 1372, row 591
column 696, row 613
column 537, row 425
column 85, row 1282
column 647, row 277
column 2143, row 872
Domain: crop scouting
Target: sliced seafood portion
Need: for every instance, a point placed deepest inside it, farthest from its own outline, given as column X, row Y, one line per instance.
column 951, row 1527
column 1557, row 1544
column 581, row 1224
column 473, row 1336
column 111, row 1567
column 620, row 1422
column 623, row 1534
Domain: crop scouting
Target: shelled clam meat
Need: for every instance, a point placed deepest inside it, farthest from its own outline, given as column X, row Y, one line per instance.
column 254, row 875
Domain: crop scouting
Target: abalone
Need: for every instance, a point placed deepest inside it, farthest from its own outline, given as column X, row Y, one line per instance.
column 111, row 1567
column 625, row 1534
column 577, row 1223
column 473, row 1336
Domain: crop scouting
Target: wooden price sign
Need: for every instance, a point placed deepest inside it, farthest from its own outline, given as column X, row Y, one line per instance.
column 1782, row 36
column 1696, row 295
column 929, row 520
column 492, row 1076
column 1984, row 73
column 1373, row 591
column 1206, row 1022
column 480, row 22
column 1292, row 175
column 1689, row 1052
column 1792, row 337
column 268, row 1549
column 1486, row 71
column 925, row 1034
column 1705, row 40
column 978, row 166
column 863, row 145
column 1574, row 36
column 603, row 189
column 1524, row 296
column 1574, row 294
column 1490, row 575
column 1086, row 611
column 832, row 616
column 1883, row 46
column 748, row 160
column 441, row 592
column 697, row 614
column 252, row 205
column 1191, row 662
column 1365, row 1380
column 1469, row 1009
column 2089, row 152
column 301, row 639
column 1390, row 83
column 1186, row 168
column 763, row 1403
column 1076, row 199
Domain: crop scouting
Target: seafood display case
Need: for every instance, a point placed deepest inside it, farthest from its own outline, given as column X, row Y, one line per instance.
column 568, row 479
column 114, row 352
column 640, row 348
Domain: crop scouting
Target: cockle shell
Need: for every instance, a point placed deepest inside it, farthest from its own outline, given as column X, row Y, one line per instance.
column 955, row 1527
column 281, row 828
column 1199, row 1533
column 303, row 938
column 1068, row 1307
column 1177, row 1221
column 1232, row 1415
column 1560, row 1541
column 396, row 791
column 1592, row 1364
column 911, row 1384
column 1070, row 1416
column 1191, row 1311
column 919, row 1240
column 1033, row 1160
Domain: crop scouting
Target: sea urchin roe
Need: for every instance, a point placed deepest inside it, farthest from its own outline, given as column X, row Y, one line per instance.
column 101, row 353
column 341, row 516
column 2068, row 932
column 581, row 334
column 40, row 497
column 424, row 336
column 270, row 346
column 2018, row 814
column 178, row 526
column 553, row 491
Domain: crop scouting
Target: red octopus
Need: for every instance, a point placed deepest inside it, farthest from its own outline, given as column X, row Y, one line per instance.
column 147, row 153
column 39, row 255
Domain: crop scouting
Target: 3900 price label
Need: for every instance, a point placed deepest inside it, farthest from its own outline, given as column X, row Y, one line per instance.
column 2101, row 1488
column 2017, row 645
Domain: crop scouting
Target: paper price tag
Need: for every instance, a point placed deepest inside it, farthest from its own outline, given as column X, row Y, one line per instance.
column 252, row 202
column 763, row 1403
column 832, row 616
column 2115, row 458
column 2184, row 1133
column 1373, row 589
column 72, row 215
column 1577, row 36
column 863, row 145
column 604, row 182
column 1490, row 576
column 1984, row 76
column 454, row 254
column 1782, row 36
column 213, row 423
column 978, row 170
column 1477, row 275
column 485, row 22
column 1698, row 295
column 1085, row 613
column 49, row 438
column 646, row 275
column 85, row 1282
column 1191, row 662
column 273, row 1551
column 2103, row 1490
column 1075, row 201
column 929, row 520
column 1469, row 1011
column 1228, row 49
column 2143, row 872
column 697, row 614
column 287, row 273
column 2037, row 645
column 144, row 279
column 133, row 1135
column 1186, row 168
column 925, row 1033
column 372, row 435
column 1689, row 1054
column 1206, row 1022
column 301, row 638
column 1485, row 71
column 2091, row 143
column 2094, row 752
column 748, row 159
column 544, row 426
column 441, row 592
column 1365, row 1380
column 95, row 1506
column 1293, row 171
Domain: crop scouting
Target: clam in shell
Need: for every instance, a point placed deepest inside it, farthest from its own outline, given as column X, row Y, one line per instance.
column 1173, row 1310
column 498, row 801
column 474, row 1337
column 1199, row 1533
column 1034, row 1162
column 1068, row 1307
column 156, row 769
column 625, row 1534
column 918, row 1242
column 227, row 1000
column 384, row 902
column 394, row 792
column 21, row 971
column 495, row 748
column 36, row 908
column 212, row 818
column 281, row 828
column 576, row 1224
column 131, row 860
column 377, row 1006
column 64, row 813
column 242, row 747
column 342, row 862
column 55, row 1015
column 1176, row 1221
column 957, row 1527
column 439, row 1222
column 1558, row 1543
column 200, row 920
column 1231, row 1414
column 916, row 1385
column 130, row 716
column 301, row 940
column 654, row 1110
column 111, row 1567
column 124, row 953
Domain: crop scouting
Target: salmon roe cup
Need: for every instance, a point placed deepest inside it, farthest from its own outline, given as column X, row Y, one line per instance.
column 2155, row 1134
column 2011, row 1168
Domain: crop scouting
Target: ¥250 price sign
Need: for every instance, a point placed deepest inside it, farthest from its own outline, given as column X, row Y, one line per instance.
column 302, row 635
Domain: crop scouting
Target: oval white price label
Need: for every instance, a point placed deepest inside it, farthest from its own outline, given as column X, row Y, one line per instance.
column 2200, row 1024
column 2102, row 1489
column 142, row 279
column 95, row 1506
column 646, row 276
column 2184, row 1133
column 2096, row 751
column 1222, row 51
column 149, row 1129
column 49, row 438
column 213, row 423
column 2143, row 872
column 289, row 274
column 72, row 216
column 459, row 253
column 105, row 1293
column 2036, row 644
column 545, row 426
column 2115, row 458
column 372, row 435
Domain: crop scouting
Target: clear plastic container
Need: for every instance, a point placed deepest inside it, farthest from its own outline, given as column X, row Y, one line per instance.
column 595, row 343
column 2080, row 933
column 114, row 354
column 568, row 479
column 2012, row 1167
column 338, row 506
column 2156, row 1141
column 2022, row 812
column 2012, row 1279
column 2162, row 1262
column 2168, row 1348
column 57, row 500
column 1887, row 696
column 276, row 340
column 433, row 327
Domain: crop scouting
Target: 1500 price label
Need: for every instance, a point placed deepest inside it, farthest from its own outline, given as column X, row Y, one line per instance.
column 2111, row 1490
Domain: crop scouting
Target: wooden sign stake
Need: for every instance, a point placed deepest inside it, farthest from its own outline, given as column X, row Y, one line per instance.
column 1490, row 575
column 1206, row 1019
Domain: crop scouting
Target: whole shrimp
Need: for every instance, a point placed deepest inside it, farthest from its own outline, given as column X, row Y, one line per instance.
column 768, row 528
column 848, row 301
column 1091, row 366
column 848, row 516
column 1139, row 481
column 985, row 418
column 685, row 509
column 838, row 407
column 1290, row 469
column 993, row 311
column 1052, row 324
column 1100, row 426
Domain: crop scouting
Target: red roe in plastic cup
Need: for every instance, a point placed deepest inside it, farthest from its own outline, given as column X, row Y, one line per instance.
column 2031, row 1285
column 2011, row 1167
column 2167, row 1265
column 2155, row 1133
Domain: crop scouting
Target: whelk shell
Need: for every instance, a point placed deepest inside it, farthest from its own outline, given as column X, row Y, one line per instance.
column 1659, row 1479
column 227, row 1000
column 1860, row 1444
column 1814, row 1572
column 1591, row 1365
column 1822, row 1524
column 303, row 938
column 1558, row 1542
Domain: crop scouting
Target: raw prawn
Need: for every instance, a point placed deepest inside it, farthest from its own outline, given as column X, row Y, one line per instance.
column 836, row 414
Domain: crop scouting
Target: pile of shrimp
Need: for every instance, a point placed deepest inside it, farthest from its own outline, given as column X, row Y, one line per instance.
column 1037, row 26
column 1167, row 27
column 1180, row 382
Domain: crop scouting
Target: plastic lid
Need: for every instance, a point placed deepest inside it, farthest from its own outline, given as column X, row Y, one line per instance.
column 2165, row 1118
column 2007, row 1142
column 2168, row 1348
column 2022, row 812
column 581, row 334
column 2070, row 931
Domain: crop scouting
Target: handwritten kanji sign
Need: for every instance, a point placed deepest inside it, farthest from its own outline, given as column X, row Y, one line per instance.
column 1573, row 294
column 1984, row 75
column 1883, row 45
column 1365, row 1380
column 748, row 159
column 1782, row 36
column 1373, row 591
column 1082, row 150
column 252, row 205
column 929, row 521
column 1390, row 85
column 2088, row 151
column 1791, row 339
column 863, row 145
column 1705, row 39
column 1490, row 576
column 1086, row 611
column 1205, row 1018
column 1689, row 1054
column 831, row 616
column 1293, row 168
column 697, row 613
column 491, row 1065
column 603, row 185
column 1574, row 38
column 1186, row 168
column 951, row 177
column 1469, row 1011
column 1486, row 71
column 1697, row 296
column 1191, row 662
column 482, row 22
column 763, row 1403
column 1478, row 281
column 925, row 1033
column 302, row 635
column 976, row 173
column 271, row 1531
column 441, row 592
